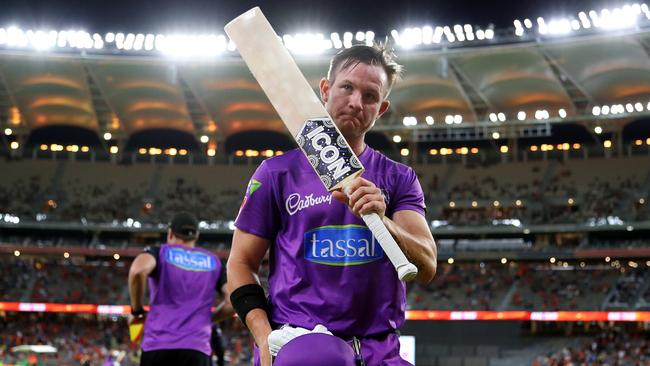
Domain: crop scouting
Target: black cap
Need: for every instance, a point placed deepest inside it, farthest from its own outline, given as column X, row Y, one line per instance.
column 185, row 226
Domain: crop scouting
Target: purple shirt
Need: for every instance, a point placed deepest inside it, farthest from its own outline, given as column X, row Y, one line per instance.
column 325, row 266
column 181, row 292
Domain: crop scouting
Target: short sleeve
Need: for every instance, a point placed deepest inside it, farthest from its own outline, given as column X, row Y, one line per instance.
column 259, row 214
column 407, row 193
column 155, row 252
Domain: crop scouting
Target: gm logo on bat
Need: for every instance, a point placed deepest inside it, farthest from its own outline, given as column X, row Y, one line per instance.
column 190, row 260
column 341, row 245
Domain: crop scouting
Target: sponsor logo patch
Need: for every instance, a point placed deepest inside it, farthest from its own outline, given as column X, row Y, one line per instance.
column 295, row 202
column 190, row 260
column 341, row 245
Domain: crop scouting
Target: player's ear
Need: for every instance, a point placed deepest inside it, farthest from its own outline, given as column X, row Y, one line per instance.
column 383, row 107
column 324, row 87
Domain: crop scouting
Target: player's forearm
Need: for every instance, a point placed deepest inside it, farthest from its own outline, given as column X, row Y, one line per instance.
column 241, row 274
column 420, row 250
column 258, row 323
column 137, row 285
column 224, row 311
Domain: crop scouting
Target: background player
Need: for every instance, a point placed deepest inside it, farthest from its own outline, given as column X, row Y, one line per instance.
column 183, row 282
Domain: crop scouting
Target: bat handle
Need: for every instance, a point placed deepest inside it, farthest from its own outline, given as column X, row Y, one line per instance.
column 405, row 269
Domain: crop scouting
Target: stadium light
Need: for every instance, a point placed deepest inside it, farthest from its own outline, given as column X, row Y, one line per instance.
column 496, row 203
column 638, row 107
column 212, row 152
column 598, row 130
column 504, row 260
column 494, row 118
column 562, row 113
column 404, row 152
column 521, row 115
column 8, row 131
column 14, row 145
column 452, row 204
column 107, row 136
column 641, row 201
column 504, row 149
column 205, row 139
column 552, row 260
column 397, row 138
column 474, row 204
column 604, row 110
column 116, row 256
column 114, row 149
column 607, row 144
column 17, row 253
column 449, row 119
column 608, row 259
column 570, row 201
column 450, row 260
column 501, row 116
column 495, row 135
column 409, row 121
column 429, row 120
column 458, row 119
column 596, row 110
column 66, row 255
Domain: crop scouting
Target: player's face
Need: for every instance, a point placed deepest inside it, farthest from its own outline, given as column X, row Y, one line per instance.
column 355, row 98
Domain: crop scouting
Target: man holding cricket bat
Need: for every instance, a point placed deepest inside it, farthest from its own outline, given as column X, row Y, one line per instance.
column 327, row 272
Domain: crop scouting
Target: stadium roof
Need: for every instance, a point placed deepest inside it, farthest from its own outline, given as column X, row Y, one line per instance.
column 127, row 95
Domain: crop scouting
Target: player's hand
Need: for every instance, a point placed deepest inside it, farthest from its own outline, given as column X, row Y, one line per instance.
column 136, row 326
column 364, row 198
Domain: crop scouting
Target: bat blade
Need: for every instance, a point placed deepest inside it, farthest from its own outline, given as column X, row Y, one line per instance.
column 305, row 117
column 293, row 98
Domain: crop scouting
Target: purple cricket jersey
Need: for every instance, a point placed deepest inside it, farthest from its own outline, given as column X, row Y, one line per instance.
column 325, row 265
column 181, row 292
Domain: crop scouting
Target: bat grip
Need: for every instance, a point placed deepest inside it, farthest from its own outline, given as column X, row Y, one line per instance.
column 405, row 270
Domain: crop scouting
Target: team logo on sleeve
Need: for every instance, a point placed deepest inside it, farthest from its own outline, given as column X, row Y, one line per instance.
column 253, row 186
column 190, row 260
column 344, row 245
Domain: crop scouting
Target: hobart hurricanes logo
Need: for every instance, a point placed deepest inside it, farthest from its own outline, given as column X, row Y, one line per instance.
column 253, row 185
column 344, row 245
column 190, row 260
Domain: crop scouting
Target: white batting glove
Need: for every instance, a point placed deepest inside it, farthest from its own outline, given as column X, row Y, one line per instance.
column 279, row 337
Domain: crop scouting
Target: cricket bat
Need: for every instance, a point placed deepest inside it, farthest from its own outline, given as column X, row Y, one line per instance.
column 306, row 118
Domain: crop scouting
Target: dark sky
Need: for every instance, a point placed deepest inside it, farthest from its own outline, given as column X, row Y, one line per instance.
column 287, row 16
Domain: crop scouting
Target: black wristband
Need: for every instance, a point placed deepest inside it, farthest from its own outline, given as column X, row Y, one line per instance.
column 138, row 312
column 246, row 298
